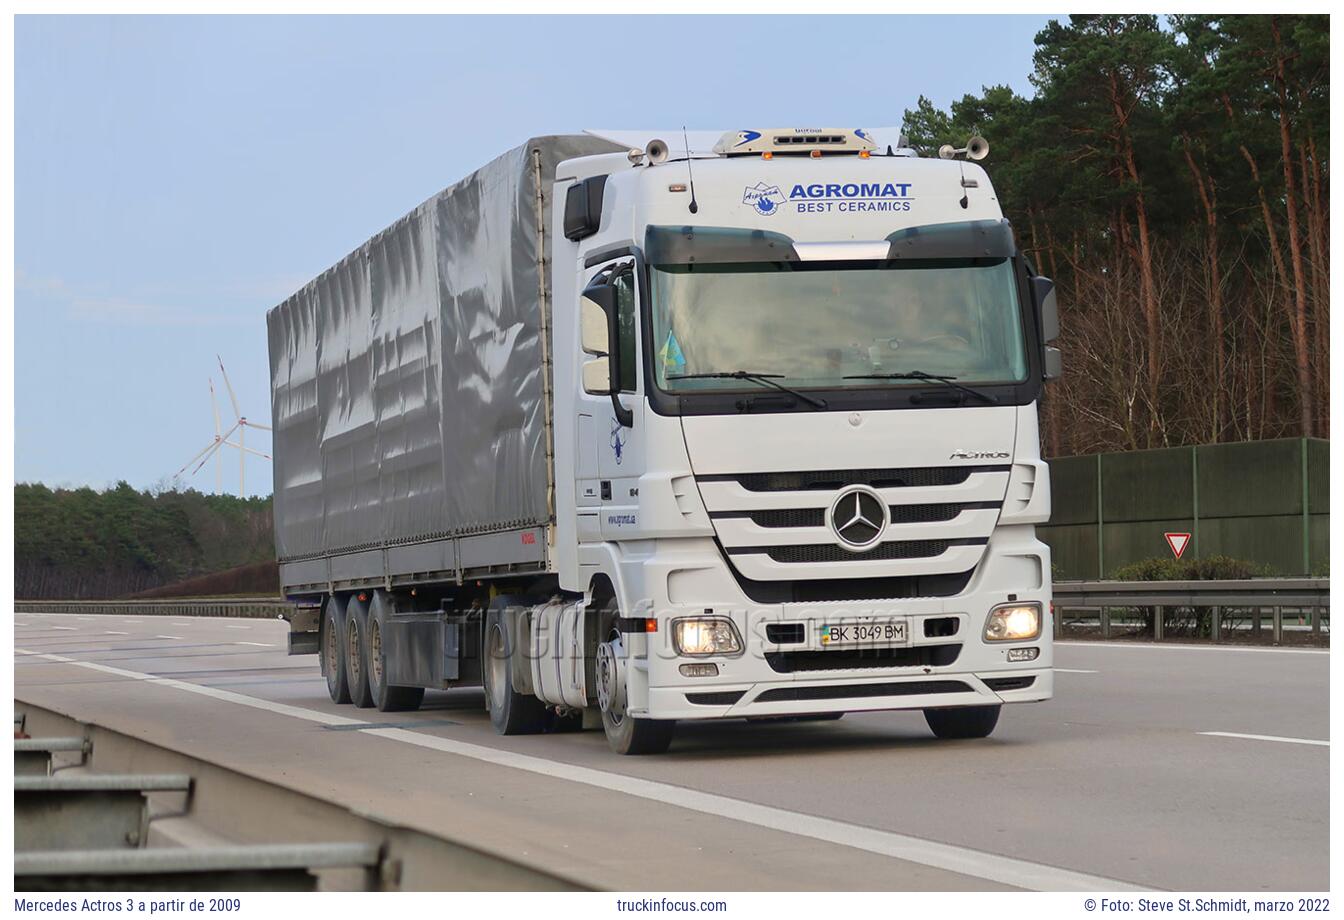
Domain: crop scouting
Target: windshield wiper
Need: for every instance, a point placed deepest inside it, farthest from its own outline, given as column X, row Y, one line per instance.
column 752, row 376
column 921, row 375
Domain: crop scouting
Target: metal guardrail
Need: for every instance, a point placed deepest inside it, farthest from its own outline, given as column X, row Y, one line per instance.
column 1255, row 594
column 248, row 608
column 255, row 867
column 33, row 756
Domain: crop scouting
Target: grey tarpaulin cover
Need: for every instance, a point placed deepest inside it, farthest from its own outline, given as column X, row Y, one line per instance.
column 406, row 389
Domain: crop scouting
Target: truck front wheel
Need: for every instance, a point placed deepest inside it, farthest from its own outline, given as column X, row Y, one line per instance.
column 966, row 722
column 625, row 733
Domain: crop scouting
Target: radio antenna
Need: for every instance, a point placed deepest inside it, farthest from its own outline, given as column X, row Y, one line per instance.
column 685, row 139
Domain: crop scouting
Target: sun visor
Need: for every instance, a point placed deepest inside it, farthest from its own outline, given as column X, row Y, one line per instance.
column 688, row 245
column 969, row 239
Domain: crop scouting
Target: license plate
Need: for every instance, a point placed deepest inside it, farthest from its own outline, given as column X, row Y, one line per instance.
column 892, row 632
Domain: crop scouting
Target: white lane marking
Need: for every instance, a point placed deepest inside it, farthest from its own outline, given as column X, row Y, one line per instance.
column 69, row 628
column 227, row 626
column 227, row 696
column 1017, row 873
column 184, row 624
column 1074, row 671
column 1266, row 738
column 167, row 637
column 130, row 621
column 262, row 644
column 113, row 632
column 1176, row 646
column 83, row 618
column 17, row 623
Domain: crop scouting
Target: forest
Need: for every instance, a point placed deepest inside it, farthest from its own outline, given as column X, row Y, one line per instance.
column 82, row 543
column 1171, row 174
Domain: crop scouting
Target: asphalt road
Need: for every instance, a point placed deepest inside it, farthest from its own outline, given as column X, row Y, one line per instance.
column 1167, row 767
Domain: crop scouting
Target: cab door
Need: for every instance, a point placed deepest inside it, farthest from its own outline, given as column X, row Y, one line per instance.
column 609, row 456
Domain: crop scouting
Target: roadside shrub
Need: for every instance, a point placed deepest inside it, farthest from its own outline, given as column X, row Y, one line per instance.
column 1194, row 621
column 1206, row 568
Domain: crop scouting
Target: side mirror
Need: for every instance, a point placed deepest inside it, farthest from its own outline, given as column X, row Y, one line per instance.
column 1043, row 293
column 594, row 308
column 597, row 376
column 599, row 335
column 1054, row 363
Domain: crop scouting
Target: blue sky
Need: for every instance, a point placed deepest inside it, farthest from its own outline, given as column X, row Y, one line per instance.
column 178, row 176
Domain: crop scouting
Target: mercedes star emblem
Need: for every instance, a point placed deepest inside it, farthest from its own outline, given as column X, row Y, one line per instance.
column 859, row 517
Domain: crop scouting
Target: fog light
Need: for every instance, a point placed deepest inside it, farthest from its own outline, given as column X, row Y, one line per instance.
column 1013, row 623
column 1023, row 654
column 703, row 669
column 706, row 636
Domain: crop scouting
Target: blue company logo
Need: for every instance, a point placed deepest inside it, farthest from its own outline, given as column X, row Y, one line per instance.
column 618, row 436
column 825, row 197
column 746, row 137
column 766, row 199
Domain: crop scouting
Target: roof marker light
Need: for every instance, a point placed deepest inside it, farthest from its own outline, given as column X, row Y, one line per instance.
column 816, row 153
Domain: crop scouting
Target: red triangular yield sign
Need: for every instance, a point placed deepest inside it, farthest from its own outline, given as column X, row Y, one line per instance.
column 1177, row 542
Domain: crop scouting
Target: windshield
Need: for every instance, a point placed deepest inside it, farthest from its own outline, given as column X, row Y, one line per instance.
column 818, row 323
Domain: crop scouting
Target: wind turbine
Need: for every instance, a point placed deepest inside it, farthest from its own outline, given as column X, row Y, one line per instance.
column 215, row 447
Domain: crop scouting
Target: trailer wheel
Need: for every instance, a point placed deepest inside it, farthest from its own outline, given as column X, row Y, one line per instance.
column 965, row 722
column 356, row 652
column 511, row 712
column 333, row 649
column 386, row 697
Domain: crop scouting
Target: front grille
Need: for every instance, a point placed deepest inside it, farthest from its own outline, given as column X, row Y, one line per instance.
column 924, row 514
column 811, row 480
column 786, row 517
column 856, row 691
column 850, row 659
column 785, row 633
column 816, row 517
column 821, row 590
column 829, row 552
column 1009, row 683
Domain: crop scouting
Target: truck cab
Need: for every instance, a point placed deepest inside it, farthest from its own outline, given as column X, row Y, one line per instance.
column 797, row 463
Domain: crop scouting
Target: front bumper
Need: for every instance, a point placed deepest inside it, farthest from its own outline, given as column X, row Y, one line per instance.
column 805, row 697
column 933, row 669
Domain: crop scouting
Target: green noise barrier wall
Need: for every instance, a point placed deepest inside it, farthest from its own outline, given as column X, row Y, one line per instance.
column 1267, row 502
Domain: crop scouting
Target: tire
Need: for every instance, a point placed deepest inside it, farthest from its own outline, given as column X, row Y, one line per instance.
column 511, row 712
column 356, row 652
column 386, row 698
column 625, row 733
column 965, row 722
column 332, row 657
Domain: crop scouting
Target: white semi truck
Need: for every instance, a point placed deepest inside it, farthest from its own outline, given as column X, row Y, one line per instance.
column 633, row 436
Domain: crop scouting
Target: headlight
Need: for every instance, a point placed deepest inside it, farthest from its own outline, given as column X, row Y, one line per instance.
column 1013, row 623
column 706, row 636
